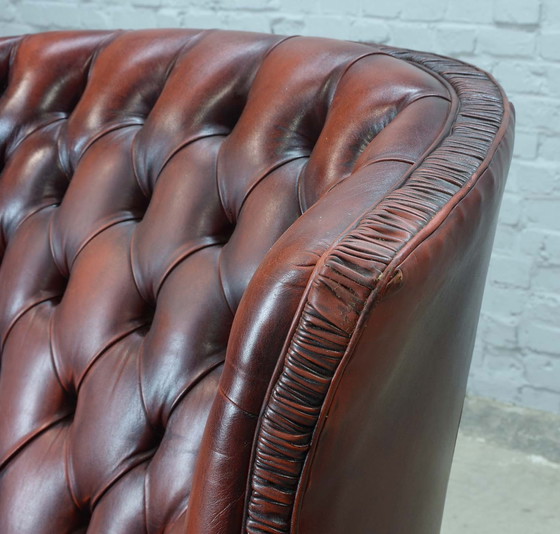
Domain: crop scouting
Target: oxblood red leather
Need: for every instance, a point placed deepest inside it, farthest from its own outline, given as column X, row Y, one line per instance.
column 240, row 282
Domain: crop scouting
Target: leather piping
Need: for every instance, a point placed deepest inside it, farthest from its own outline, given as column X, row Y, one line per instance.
column 483, row 104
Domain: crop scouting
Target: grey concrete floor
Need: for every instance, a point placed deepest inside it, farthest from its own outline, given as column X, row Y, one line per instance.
column 497, row 490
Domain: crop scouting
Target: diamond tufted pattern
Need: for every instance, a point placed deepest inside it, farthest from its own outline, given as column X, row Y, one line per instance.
column 165, row 199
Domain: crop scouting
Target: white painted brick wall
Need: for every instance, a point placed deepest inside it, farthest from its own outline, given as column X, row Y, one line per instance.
column 517, row 354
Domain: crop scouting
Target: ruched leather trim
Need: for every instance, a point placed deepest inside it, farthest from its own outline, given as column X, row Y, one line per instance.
column 356, row 269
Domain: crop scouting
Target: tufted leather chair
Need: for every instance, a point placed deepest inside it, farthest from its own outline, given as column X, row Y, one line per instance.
column 240, row 282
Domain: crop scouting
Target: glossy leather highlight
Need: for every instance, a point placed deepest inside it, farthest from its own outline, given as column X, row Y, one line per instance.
column 227, row 261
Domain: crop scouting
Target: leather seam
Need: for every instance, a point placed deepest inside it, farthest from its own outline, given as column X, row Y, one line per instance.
column 177, row 149
column 28, row 307
column 403, row 237
column 228, row 398
column 385, row 278
column 192, row 385
column 184, row 256
column 92, row 235
column 266, row 174
column 111, row 343
column 221, row 283
column 30, row 438
column 374, row 297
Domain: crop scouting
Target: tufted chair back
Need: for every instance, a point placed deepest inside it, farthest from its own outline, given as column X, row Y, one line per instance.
column 240, row 280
